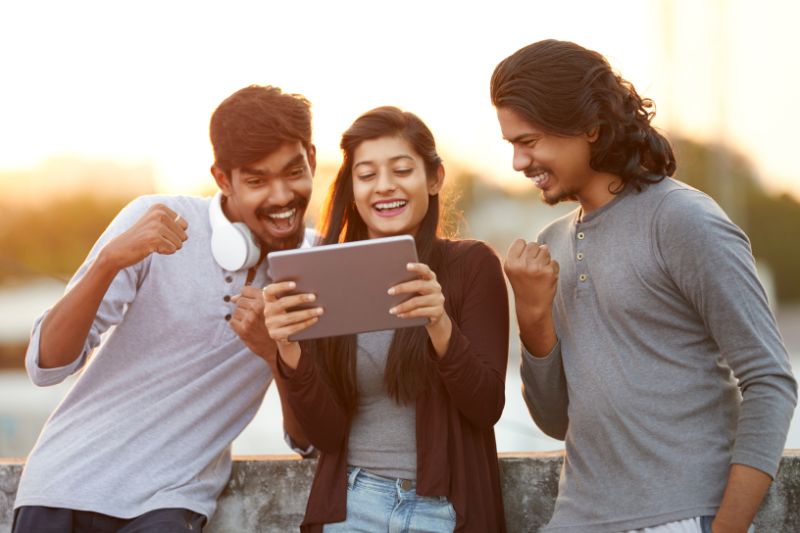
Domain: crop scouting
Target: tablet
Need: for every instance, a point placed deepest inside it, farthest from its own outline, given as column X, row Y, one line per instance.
column 350, row 281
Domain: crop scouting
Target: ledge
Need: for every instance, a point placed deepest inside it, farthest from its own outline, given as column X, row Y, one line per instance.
column 268, row 493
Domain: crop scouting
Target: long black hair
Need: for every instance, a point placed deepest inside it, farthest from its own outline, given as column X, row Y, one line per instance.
column 568, row 90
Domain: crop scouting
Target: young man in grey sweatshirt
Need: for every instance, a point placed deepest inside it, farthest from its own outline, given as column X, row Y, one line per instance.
column 142, row 441
column 648, row 342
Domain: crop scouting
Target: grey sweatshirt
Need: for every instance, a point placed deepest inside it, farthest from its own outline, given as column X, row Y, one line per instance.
column 669, row 366
column 150, row 421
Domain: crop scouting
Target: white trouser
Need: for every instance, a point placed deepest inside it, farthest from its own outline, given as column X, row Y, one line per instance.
column 690, row 525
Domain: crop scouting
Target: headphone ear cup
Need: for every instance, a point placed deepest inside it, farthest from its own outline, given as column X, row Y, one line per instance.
column 229, row 247
column 232, row 243
column 252, row 249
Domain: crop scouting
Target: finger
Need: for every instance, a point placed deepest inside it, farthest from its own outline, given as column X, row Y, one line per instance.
column 181, row 222
column 431, row 300
column 273, row 291
column 249, row 297
column 179, row 229
column 287, row 302
column 427, row 312
column 532, row 251
column 415, row 286
column 248, row 291
column 283, row 334
column 287, row 319
column 422, row 269
column 166, row 247
column 175, row 226
column 515, row 250
column 243, row 314
column 161, row 208
column 172, row 237
column 555, row 266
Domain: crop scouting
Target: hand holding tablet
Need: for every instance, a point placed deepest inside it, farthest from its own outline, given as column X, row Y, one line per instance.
column 342, row 289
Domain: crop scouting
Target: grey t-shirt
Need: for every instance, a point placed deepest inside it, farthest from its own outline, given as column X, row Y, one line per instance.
column 150, row 421
column 669, row 365
column 382, row 433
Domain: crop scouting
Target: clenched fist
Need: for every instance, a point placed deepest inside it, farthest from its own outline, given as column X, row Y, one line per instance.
column 534, row 278
column 160, row 230
column 247, row 321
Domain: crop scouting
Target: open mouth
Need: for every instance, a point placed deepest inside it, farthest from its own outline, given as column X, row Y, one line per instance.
column 389, row 208
column 283, row 221
column 540, row 180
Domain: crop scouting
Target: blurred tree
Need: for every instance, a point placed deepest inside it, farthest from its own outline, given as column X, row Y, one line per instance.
column 772, row 222
column 52, row 239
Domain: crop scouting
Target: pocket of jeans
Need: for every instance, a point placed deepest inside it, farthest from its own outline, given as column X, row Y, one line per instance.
column 451, row 511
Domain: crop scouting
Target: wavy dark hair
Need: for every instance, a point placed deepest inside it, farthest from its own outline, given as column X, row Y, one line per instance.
column 568, row 90
column 409, row 366
column 254, row 121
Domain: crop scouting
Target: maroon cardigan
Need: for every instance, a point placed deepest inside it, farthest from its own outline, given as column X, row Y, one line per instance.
column 456, row 452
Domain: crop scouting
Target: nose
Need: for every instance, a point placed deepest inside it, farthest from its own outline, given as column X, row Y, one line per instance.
column 522, row 159
column 385, row 183
column 280, row 193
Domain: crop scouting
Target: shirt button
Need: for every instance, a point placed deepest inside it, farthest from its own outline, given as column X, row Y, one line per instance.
column 581, row 236
column 227, row 298
column 580, row 256
column 229, row 279
column 583, row 277
column 228, row 317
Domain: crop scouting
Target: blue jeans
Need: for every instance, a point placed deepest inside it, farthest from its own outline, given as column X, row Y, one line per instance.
column 379, row 504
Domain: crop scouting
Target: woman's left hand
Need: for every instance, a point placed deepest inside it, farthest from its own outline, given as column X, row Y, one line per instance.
column 428, row 303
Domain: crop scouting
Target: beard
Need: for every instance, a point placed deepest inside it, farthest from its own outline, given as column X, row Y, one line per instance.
column 555, row 194
column 288, row 242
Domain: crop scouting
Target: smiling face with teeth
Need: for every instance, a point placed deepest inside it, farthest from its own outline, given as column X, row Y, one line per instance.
column 271, row 195
column 390, row 186
column 557, row 165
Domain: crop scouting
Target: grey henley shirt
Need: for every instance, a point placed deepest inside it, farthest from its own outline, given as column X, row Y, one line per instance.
column 150, row 421
column 669, row 366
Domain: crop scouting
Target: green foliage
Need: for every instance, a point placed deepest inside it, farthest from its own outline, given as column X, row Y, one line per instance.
column 54, row 238
column 772, row 223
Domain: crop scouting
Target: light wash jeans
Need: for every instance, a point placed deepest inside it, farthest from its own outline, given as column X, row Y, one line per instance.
column 379, row 504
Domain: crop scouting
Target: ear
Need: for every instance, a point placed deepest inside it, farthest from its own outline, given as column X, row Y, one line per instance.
column 222, row 179
column 311, row 152
column 435, row 186
column 593, row 134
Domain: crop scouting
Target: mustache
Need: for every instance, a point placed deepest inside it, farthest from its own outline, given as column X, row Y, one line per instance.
column 299, row 203
column 534, row 171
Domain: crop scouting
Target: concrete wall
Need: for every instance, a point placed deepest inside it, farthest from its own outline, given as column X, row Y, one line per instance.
column 268, row 494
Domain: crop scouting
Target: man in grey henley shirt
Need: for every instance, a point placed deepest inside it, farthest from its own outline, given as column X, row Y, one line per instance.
column 142, row 440
column 648, row 342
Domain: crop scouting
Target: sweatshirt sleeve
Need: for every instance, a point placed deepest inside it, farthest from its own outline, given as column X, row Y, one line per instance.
column 473, row 368
column 315, row 406
column 710, row 260
column 544, row 389
column 119, row 295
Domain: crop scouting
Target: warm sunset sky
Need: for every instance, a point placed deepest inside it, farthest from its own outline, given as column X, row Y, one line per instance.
column 136, row 82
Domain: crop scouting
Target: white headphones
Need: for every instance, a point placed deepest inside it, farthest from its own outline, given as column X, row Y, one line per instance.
column 232, row 243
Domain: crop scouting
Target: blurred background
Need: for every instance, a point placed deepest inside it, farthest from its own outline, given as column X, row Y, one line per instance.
column 104, row 101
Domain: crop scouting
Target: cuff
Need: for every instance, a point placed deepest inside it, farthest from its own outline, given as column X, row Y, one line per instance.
column 308, row 453
column 553, row 356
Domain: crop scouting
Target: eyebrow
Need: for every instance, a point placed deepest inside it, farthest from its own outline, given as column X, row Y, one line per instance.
column 391, row 159
column 520, row 137
column 296, row 160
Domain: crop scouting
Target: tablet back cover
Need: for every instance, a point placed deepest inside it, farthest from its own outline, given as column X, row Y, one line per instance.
column 350, row 281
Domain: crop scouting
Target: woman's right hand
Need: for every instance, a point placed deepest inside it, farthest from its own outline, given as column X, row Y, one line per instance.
column 282, row 323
